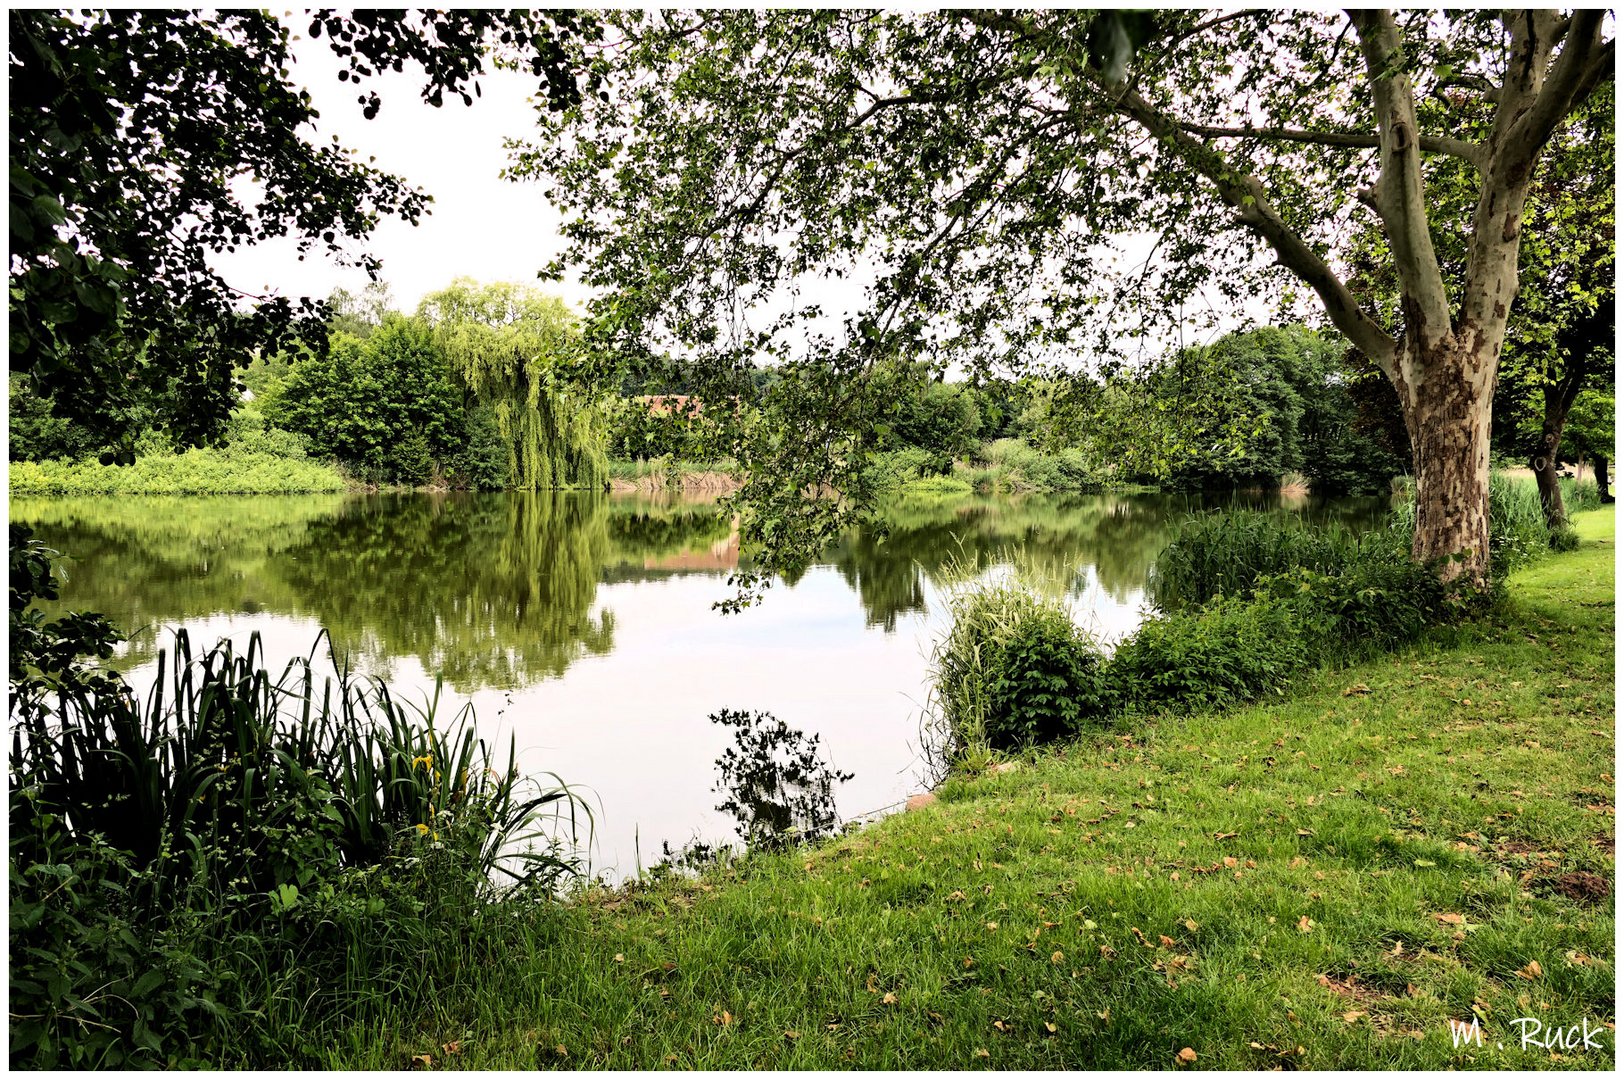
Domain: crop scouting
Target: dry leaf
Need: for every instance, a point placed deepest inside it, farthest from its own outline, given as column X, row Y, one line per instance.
column 981, row 1052
column 560, row 1051
column 1305, row 924
column 453, row 1047
column 1450, row 918
column 422, row 1061
column 620, row 958
column 1186, row 1056
column 792, row 1035
column 1051, row 1027
column 888, row 999
column 1532, row 971
column 1056, row 957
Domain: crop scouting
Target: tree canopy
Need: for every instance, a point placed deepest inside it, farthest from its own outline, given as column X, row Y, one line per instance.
column 143, row 142
column 971, row 170
column 516, row 348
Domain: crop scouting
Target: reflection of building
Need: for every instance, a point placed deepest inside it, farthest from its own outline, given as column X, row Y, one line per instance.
column 722, row 555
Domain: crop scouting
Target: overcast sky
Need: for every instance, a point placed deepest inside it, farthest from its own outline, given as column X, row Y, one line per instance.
column 480, row 225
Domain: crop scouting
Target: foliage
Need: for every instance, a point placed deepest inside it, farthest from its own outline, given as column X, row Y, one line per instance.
column 977, row 165
column 1043, row 683
column 1227, row 652
column 777, row 789
column 194, row 472
column 1011, row 671
column 130, row 132
column 387, row 406
column 1017, row 467
column 36, row 434
column 515, row 349
column 173, row 868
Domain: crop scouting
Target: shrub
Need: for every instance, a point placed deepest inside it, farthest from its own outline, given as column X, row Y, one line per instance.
column 1043, row 684
column 1016, row 467
column 1228, row 652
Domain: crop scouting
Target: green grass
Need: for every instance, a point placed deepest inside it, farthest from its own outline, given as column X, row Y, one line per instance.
column 1317, row 883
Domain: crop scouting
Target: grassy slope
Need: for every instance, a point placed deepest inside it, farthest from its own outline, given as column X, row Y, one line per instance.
column 1264, row 886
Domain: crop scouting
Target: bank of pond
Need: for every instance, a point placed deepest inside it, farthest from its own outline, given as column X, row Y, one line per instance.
column 579, row 629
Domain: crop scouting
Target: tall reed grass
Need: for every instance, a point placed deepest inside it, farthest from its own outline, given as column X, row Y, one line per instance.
column 232, row 867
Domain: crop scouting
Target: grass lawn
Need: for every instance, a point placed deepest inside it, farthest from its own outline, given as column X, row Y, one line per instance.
column 1320, row 882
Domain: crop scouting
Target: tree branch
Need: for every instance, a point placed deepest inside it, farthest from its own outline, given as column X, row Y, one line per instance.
column 1400, row 197
column 1246, row 194
column 1467, row 151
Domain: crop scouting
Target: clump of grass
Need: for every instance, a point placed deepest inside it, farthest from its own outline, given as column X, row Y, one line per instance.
column 1221, row 553
column 1579, row 495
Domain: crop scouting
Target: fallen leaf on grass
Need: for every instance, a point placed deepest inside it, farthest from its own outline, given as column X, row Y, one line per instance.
column 1531, row 971
column 981, row 1052
column 453, row 1047
column 1305, row 925
column 1450, row 918
column 888, row 999
column 1356, row 688
column 1225, row 835
column 792, row 1035
column 1186, row 1056
column 1051, row 1027
column 723, row 1019
column 422, row 1061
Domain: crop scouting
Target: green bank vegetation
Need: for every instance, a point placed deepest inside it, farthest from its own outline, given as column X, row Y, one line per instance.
column 1318, row 881
column 1302, row 882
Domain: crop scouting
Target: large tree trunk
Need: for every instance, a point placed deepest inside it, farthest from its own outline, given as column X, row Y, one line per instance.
column 1447, row 410
column 1600, row 462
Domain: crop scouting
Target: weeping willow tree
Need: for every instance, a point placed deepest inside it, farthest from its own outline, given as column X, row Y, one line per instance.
column 516, row 349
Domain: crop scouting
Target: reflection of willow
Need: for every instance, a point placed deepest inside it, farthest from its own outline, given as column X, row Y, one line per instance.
column 151, row 562
column 486, row 590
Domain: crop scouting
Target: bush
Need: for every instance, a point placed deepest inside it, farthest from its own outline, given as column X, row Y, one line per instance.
column 1012, row 671
column 1043, row 684
column 1016, row 467
column 1228, row 652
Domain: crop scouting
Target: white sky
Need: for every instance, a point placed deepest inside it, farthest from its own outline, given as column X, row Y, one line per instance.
column 479, row 225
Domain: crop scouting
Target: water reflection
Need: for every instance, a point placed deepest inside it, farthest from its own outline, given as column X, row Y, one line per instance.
column 499, row 590
column 583, row 627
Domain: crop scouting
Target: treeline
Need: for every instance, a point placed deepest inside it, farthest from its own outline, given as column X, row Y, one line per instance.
column 480, row 388
column 488, row 388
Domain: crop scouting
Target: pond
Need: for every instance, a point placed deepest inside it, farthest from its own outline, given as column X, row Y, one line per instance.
column 583, row 625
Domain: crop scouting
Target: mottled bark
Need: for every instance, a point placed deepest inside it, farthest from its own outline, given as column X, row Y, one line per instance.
column 1447, row 395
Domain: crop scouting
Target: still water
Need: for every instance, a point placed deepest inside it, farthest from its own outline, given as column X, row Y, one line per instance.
column 583, row 626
